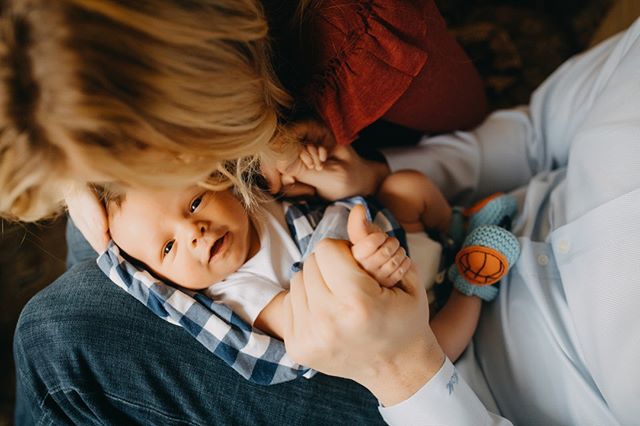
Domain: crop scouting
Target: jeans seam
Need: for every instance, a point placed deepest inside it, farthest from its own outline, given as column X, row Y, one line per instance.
column 152, row 409
column 45, row 419
column 41, row 421
column 23, row 377
column 45, row 415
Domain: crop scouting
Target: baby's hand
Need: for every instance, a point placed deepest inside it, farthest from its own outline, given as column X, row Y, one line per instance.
column 376, row 252
column 313, row 156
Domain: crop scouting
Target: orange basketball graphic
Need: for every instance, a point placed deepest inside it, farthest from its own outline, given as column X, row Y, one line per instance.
column 481, row 265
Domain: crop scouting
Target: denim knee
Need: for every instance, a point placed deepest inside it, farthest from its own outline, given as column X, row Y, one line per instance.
column 53, row 329
column 88, row 353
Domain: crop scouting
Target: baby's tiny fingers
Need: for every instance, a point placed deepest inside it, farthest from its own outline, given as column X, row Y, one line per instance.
column 374, row 263
column 398, row 274
column 323, row 154
column 393, row 263
column 368, row 246
column 314, row 153
column 306, row 159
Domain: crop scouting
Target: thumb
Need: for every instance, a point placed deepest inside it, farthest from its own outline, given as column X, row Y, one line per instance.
column 358, row 226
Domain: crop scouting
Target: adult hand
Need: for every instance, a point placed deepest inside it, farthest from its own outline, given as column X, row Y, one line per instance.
column 343, row 323
column 343, row 174
column 89, row 215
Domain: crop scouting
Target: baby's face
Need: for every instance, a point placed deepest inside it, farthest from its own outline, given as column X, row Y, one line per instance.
column 193, row 237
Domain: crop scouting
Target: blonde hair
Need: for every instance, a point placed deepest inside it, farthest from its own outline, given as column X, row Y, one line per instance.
column 147, row 93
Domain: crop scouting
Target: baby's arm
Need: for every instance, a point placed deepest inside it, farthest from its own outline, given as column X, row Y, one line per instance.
column 272, row 318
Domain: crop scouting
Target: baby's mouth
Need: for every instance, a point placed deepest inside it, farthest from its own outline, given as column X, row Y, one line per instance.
column 215, row 248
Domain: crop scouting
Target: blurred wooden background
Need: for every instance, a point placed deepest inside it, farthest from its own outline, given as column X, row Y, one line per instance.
column 31, row 257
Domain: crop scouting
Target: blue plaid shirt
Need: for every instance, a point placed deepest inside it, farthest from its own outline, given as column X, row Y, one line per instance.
column 256, row 356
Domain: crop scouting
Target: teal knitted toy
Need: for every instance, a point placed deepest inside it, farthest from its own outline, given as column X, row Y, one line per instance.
column 489, row 249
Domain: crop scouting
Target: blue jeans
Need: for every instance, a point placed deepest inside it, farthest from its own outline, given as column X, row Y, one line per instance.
column 88, row 353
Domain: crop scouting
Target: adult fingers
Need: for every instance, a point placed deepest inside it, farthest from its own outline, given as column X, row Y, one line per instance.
column 342, row 274
column 317, row 291
column 410, row 283
column 299, row 302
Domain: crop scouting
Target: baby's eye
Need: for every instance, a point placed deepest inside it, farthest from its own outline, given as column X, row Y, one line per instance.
column 195, row 203
column 167, row 248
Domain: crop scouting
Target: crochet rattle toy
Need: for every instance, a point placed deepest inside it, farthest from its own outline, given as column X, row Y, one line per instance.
column 489, row 249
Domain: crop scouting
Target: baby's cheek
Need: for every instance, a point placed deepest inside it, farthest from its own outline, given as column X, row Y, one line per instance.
column 199, row 281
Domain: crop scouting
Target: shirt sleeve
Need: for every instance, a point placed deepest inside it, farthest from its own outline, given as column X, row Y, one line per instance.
column 512, row 146
column 444, row 400
column 396, row 59
column 468, row 166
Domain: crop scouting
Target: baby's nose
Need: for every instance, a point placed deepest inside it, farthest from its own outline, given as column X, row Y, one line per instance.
column 199, row 232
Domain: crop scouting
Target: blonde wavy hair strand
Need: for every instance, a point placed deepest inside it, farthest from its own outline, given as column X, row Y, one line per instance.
column 149, row 93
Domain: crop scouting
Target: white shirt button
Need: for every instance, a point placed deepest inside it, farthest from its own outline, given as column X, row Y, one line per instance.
column 564, row 246
column 543, row 259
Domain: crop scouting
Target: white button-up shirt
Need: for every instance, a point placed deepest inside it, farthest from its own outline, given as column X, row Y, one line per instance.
column 561, row 343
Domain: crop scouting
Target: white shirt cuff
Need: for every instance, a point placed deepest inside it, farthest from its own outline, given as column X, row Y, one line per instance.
column 446, row 399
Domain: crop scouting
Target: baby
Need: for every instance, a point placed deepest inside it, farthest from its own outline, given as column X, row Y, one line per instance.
column 205, row 240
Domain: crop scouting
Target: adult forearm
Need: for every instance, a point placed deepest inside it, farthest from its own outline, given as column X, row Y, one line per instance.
column 467, row 166
column 397, row 378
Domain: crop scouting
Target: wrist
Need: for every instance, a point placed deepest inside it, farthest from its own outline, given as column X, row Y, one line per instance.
column 397, row 378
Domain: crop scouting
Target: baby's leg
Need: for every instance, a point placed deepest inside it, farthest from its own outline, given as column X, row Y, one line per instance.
column 456, row 322
column 415, row 201
column 418, row 204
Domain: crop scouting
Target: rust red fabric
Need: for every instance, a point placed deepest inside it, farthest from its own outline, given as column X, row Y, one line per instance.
column 393, row 60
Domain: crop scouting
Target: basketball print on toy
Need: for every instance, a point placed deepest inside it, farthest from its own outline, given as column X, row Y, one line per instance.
column 481, row 265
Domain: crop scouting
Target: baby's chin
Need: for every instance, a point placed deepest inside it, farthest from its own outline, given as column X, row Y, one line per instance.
column 195, row 287
column 196, row 283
